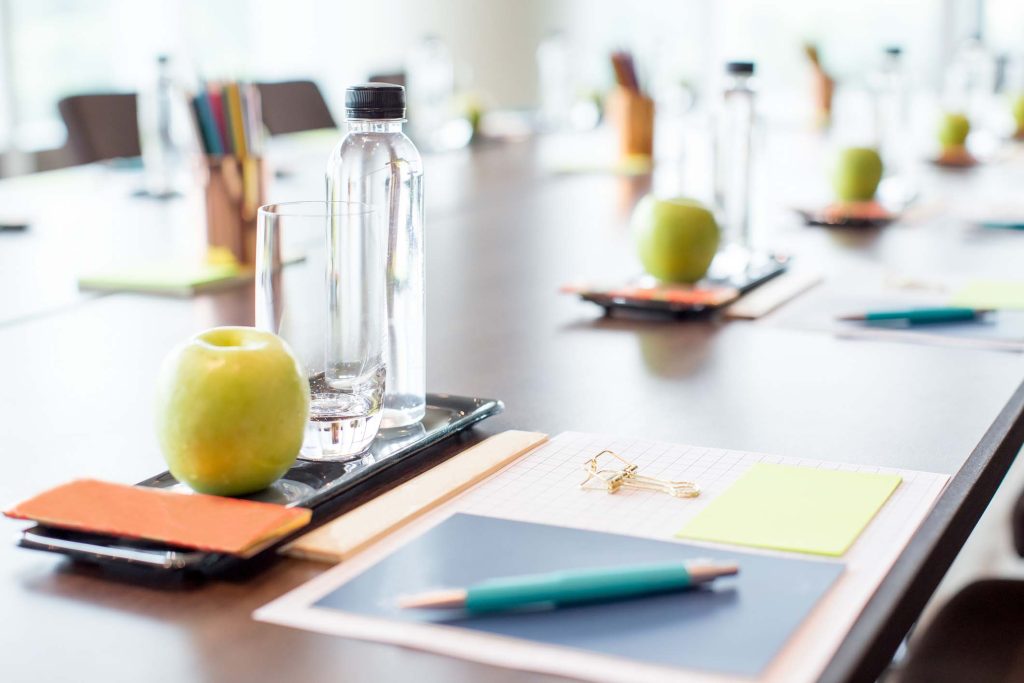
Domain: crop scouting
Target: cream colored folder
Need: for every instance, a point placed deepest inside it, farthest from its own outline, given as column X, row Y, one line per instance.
column 348, row 534
column 772, row 294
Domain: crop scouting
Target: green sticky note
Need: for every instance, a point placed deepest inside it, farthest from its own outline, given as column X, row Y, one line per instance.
column 163, row 278
column 799, row 509
column 1000, row 294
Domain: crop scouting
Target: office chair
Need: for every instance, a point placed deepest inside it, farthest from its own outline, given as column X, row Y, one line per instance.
column 100, row 126
column 979, row 634
column 394, row 78
column 293, row 106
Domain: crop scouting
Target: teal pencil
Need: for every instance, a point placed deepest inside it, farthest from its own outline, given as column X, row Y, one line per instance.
column 1003, row 225
column 572, row 587
column 917, row 316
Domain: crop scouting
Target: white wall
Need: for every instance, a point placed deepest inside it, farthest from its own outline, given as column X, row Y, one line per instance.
column 62, row 46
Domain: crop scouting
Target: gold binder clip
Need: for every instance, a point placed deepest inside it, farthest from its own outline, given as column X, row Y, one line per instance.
column 611, row 480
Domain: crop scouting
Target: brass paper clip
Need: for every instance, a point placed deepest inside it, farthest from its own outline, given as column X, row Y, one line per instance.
column 611, row 480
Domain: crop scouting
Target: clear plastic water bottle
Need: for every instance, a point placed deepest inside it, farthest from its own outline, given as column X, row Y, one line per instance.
column 554, row 79
column 889, row 95
column 163, row 124
column 970, row 81
column 375, row 163
column 430, row 76
column 733, row 155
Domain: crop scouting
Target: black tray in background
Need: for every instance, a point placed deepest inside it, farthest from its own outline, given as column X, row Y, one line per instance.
column 822, row 219
column 320, row 486
column 759, row 269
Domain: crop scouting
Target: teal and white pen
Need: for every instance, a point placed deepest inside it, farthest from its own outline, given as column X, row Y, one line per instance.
column 572, row 587
column 916, row 316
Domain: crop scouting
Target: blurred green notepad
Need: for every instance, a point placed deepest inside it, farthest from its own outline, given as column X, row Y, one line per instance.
column 629, row 166
column 799, row 509
column 998, row 294
column 169, row 279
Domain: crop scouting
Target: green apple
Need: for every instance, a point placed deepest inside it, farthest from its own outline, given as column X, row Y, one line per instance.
column 676, row 238
column 953, row 130
column 857, row 174
column 1018, row 114
column 232, row 407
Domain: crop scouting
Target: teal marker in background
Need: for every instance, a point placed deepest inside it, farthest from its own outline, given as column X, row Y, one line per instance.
column 572, row 587
column 1003, row 225
column 919, row 316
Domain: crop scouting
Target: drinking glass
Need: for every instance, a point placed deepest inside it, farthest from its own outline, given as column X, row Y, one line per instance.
column 320, row 285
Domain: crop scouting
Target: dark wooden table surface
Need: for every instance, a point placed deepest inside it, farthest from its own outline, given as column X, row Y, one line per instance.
column 77, row 375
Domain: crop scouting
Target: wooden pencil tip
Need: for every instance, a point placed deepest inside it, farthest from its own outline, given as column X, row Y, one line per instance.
column 705, row 570
column 452, row 597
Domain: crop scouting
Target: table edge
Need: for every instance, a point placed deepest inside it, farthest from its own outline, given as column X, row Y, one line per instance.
column 869, row 646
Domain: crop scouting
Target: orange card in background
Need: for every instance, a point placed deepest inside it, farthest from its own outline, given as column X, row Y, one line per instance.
column 214, row 523
column 714, row 295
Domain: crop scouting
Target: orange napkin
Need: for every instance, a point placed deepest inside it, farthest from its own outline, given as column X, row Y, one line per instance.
column 227, row 525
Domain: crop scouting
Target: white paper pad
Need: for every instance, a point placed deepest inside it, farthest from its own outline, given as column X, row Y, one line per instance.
column 543, row 486
column 1001, row 331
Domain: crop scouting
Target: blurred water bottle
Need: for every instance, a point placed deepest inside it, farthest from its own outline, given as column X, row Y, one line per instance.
column 165, row 136
column 970, row 81
column 890, row 100
column 732, row 159
column 375, row 163
column 554, row 77
column 430, row 79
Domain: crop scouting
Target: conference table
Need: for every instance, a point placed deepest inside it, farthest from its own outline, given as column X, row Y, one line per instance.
column 504, row 232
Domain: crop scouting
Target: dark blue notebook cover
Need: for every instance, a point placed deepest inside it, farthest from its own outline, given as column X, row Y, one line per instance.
column 736, row 625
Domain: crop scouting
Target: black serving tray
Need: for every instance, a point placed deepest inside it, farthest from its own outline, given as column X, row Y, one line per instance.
column 822, row 219
column 320, row 486
column 760, row 269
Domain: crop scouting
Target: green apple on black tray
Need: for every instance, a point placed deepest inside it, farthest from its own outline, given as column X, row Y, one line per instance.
column 232, row 407
column 953, row 131
column 1018, row 117
column 676, row 238
column 858, row 172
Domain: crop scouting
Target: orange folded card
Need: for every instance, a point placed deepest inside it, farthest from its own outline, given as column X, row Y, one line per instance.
column 693, row 295
column 225, row 525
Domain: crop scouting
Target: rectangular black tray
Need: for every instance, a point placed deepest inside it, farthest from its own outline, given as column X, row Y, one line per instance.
column 320, row 486
column 760, row 270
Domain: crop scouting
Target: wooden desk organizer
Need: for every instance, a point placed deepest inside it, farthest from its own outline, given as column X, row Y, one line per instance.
column 235, row 190
column 632, row 113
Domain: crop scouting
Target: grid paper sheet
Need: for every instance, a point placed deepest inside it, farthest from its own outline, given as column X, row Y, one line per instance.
column 544, row 487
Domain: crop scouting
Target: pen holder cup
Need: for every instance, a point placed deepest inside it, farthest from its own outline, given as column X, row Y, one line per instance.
column 235, row 190
column 633, row 117
column 823, row 90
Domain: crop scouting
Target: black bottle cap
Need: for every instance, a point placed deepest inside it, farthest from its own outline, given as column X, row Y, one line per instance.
column 739, row 68
column 375, row 101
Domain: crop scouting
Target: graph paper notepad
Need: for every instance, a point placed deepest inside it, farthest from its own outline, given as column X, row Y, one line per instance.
column 543, row 486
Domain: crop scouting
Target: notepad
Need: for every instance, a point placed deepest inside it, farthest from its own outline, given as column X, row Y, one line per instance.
column 172, row 279
column 633, row 165
column 798, row 509
column 719, row 627
column 999, row 294
column 213, row 523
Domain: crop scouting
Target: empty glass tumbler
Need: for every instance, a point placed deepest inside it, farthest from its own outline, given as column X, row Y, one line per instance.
column 320, row 285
